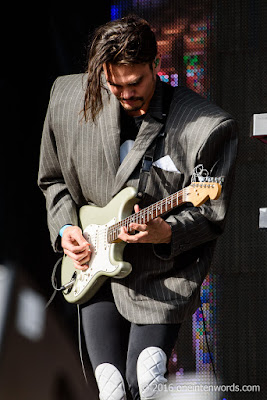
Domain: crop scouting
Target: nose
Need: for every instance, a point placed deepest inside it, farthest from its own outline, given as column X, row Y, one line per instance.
column 127, row 93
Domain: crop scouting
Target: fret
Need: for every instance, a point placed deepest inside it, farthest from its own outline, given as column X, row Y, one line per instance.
column 147, row 214
column 156, row 210
column 150, row 217
column 150, row 213
column 170, row 203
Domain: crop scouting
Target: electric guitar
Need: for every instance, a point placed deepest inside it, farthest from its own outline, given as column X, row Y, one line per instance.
column 102, row 225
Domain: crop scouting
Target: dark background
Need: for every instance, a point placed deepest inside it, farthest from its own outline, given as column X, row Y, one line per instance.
column 39, row 45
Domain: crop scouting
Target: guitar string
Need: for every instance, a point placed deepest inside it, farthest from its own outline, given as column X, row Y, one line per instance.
column 173, row 201
column 114, row 230
column 148, row 213
column 145, row 215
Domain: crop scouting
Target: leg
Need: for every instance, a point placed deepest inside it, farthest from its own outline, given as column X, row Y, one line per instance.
column 106, row 335
column 150, row 348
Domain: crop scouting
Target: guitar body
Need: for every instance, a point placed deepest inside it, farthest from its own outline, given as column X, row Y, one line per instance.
column 101, row 228
column 106, row 258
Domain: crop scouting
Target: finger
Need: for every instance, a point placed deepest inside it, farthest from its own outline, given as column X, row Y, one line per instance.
column 82, row 264
column 136, row 208
column 83, row 260
column 83, row 267
column 138, row 238
column 78, row 257
column 84, row 248
column 123, row 234
column 73, row 239
column 74, row 248
column 138, row 227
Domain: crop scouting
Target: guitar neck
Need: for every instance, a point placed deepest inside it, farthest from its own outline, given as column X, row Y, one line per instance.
column 147, row 214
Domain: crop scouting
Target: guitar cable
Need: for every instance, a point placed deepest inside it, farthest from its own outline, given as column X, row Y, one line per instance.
column 59, row 289
column 80, row 344
column 54, row 283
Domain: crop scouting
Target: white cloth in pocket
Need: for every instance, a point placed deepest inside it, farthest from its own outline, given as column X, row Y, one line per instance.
column 166, row 164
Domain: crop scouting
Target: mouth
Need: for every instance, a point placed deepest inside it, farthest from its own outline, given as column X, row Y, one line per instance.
column 132, row 100
column 134, row 103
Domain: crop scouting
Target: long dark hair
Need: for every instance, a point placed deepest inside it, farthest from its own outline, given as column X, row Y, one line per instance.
column 128, row 40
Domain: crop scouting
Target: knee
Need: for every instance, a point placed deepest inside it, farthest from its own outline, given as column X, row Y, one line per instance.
column 110, row 382
column 151, row 368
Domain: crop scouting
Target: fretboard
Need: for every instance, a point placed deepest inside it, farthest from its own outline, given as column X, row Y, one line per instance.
column 147, row 214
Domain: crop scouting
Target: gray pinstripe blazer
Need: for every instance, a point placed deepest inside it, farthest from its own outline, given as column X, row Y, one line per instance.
column 79, row 163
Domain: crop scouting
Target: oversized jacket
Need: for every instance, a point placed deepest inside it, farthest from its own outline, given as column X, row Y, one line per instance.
column 80, row 164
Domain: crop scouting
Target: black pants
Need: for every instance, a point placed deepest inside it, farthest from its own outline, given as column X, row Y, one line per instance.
column 110, row 338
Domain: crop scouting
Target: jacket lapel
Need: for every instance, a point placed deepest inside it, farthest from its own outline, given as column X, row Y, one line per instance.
column 110, row 132
column 109, row 124
column 149, row 130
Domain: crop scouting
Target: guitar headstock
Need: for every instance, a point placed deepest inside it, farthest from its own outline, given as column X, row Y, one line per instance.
column 199, row 192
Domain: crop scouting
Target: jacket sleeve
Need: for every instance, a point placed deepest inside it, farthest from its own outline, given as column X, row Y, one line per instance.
column 61, row 209
column 194, row 226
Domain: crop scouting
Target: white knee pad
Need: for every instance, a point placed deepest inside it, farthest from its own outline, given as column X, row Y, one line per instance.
column 110, row 382
column 151, row 367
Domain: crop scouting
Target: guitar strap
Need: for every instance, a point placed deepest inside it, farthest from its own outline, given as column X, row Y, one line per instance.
column 149, row 155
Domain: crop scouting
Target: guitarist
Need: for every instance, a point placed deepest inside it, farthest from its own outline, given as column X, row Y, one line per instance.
column 98, row 128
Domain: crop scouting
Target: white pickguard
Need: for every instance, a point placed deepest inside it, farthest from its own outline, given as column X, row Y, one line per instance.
column 96, row 235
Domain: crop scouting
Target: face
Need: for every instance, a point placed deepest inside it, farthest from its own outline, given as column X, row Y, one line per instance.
column 133, row 85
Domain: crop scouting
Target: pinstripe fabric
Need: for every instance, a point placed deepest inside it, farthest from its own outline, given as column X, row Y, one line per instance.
column 79, row 163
